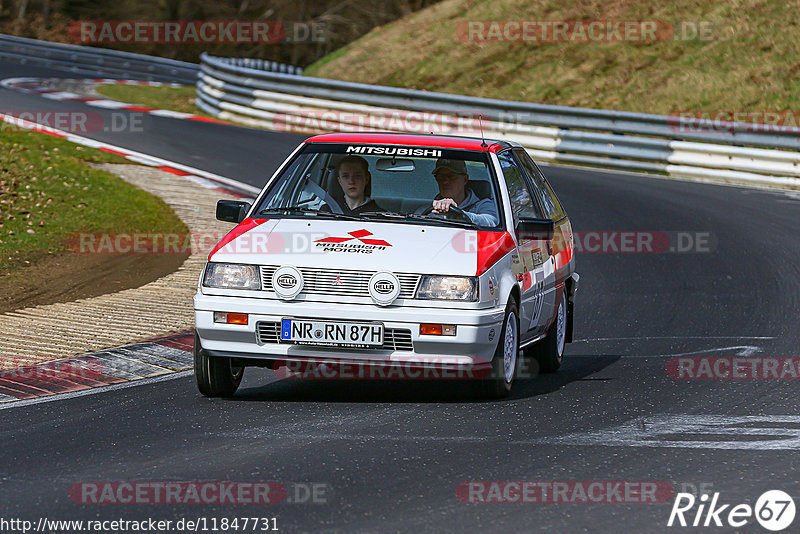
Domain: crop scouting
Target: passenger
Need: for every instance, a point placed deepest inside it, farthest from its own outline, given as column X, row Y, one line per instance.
column 451, row 175
column 356, row 183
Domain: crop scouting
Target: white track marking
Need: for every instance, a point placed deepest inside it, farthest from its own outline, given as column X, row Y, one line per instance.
column 61, row 95
column 751, row 432
column 741, row 350
column 110, row 104
column 171, row 114
column 763, row 433
column 651, row 338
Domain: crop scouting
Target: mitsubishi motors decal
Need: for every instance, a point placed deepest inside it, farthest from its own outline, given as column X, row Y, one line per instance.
column 358, row 243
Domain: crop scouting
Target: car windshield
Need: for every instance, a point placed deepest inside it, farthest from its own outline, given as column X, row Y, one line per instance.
column 389, row 183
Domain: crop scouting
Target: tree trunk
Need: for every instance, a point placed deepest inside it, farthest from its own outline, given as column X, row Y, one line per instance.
column 23, row 6
column 45, row 19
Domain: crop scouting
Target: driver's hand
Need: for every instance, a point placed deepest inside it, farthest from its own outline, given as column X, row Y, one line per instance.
column 441, row 206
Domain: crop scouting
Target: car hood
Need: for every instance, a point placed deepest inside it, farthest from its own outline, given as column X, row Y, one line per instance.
column 359, row 245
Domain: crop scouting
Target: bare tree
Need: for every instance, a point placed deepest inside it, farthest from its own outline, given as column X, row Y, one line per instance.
column 22, row 6
column 344, row 21
column 45, row 19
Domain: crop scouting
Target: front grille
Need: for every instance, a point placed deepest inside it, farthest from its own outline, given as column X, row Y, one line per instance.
column 393, row 338
column 268, row 332
column 340, row 282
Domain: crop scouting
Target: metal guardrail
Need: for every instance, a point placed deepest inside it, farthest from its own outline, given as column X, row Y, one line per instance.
column 99, row 62
column 105, row 63
column 239, row 90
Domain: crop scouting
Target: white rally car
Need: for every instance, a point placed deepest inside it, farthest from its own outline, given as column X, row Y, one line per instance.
column 376, row 249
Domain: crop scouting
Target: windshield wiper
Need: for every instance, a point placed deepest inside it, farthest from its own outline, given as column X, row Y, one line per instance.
column 384, row 214
column 287, row 209
column 418, row 217
column 299, row 210
column 455, row 222
column 338, row 215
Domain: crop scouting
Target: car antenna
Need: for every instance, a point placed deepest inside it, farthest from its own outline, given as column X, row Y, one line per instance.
column 480, row 123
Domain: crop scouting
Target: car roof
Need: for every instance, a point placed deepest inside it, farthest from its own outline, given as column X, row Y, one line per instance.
column 426, row 140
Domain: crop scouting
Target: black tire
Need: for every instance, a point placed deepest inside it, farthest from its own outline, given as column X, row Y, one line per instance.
column 549, row 352
column 216, row 377
column 497, row 385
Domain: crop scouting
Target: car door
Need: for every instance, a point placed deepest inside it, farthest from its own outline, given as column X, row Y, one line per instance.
column 559, row 248
column 533, row 258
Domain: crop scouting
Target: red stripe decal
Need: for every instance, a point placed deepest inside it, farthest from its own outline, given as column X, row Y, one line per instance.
column 242, row 228
column 491, row 247
column 527, row 281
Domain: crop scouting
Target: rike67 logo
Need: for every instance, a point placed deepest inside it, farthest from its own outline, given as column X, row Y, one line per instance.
column 774, row 510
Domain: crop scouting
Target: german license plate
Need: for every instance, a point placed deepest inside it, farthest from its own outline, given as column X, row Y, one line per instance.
column 331, row 333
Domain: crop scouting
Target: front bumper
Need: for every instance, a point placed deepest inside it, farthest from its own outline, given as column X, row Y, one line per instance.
column 477, row 331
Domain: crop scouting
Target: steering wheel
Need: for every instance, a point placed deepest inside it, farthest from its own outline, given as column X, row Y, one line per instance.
column 452, row 212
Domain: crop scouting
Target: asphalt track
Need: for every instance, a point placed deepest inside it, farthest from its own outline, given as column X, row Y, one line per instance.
column 391, row 454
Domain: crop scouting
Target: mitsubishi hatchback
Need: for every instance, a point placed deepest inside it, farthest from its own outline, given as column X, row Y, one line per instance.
column 375, row 249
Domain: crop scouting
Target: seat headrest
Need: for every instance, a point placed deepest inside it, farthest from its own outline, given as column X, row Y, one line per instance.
column 481, row 188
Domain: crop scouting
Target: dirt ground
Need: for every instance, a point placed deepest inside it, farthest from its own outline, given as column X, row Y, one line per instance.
column 69, row 277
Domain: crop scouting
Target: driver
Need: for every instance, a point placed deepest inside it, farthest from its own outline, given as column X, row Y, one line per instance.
column 451, row 175
column 356, row 183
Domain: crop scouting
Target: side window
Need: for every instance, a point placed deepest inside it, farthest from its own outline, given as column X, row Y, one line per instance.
column 287, row 183
column 308, row 188
column 522, row 205
column 550, row 204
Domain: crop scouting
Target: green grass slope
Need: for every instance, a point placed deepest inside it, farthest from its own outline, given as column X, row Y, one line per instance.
column 749, row 61
column 49, row 194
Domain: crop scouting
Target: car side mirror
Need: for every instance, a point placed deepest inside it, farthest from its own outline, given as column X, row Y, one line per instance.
column 232, row 210
column 529, row 229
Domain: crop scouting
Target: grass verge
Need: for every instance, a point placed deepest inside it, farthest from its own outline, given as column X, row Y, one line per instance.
column 49, row 193
column 172, row 98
